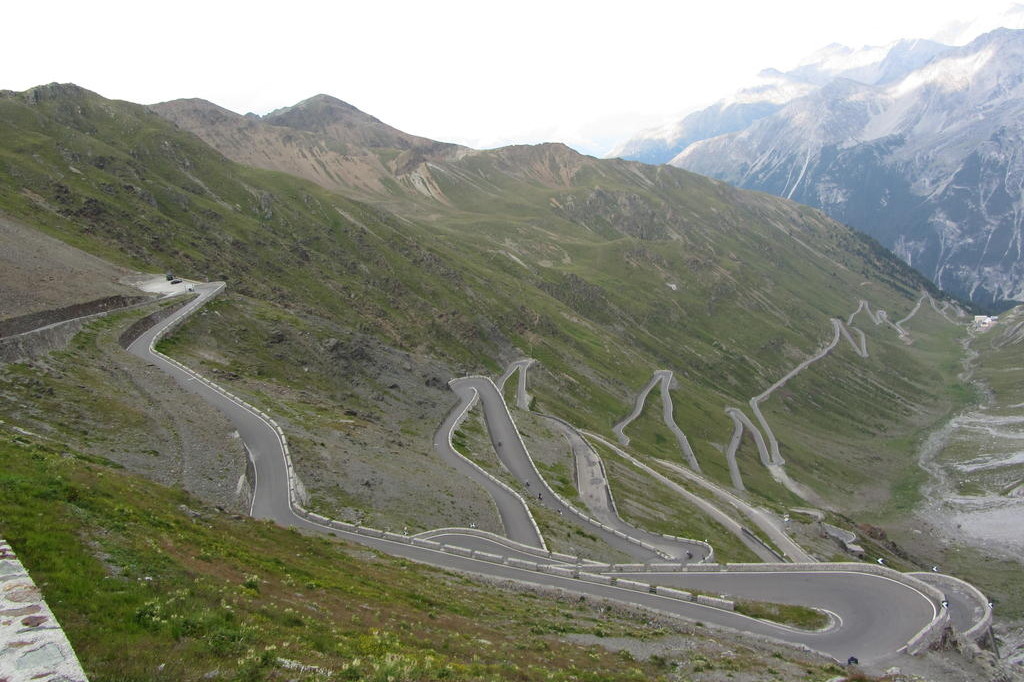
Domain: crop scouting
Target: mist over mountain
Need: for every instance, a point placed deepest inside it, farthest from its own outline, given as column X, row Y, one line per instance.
column 917, row 144
column 773, row 89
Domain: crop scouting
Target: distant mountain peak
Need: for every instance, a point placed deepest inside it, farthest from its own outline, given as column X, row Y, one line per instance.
column 324, row 103
column 320, row 112
column 917, row 145
column 52, row 91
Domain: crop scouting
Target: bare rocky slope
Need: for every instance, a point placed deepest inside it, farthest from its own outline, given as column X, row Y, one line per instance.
column 322, row 139
column 42, row 273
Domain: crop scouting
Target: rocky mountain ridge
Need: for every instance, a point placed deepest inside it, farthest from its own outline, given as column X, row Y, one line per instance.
column 322, row 139
column 916, row 144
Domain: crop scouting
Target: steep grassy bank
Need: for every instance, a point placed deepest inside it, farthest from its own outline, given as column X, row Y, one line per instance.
column 149, row 583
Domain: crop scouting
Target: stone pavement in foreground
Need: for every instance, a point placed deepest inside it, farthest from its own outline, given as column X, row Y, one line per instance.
column 32, row 644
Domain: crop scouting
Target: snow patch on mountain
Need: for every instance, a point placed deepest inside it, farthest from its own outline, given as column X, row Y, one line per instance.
column 930, row 163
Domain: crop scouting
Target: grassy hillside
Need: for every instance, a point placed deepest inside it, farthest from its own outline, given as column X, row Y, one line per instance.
column 152, row 584
column 346, row 317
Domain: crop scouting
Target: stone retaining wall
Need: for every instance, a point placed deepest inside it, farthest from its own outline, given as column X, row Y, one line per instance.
column 32, row 644
column 32, row 344
column 139, row 327
column 980, row 630
column 24, row 323
column 54, row 330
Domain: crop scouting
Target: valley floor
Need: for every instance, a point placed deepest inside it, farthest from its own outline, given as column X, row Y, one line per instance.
column 973, row 502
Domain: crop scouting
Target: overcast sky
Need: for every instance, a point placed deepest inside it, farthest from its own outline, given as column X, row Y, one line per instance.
column 479, row 73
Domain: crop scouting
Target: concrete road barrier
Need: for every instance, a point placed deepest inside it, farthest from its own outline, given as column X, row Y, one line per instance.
column 673, row 593
column 715, row 602
column 520, row 563
column 487, row 556
column 459, row 551
column 633, row 585
column 595, row 578
column 429, row 544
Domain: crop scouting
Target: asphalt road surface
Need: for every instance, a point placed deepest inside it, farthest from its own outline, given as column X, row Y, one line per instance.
column 514, row 457
column 874, row 613
column 261, row 439
column 515, row 515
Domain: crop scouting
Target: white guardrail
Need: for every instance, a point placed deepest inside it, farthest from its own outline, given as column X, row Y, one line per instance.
column 980, row 629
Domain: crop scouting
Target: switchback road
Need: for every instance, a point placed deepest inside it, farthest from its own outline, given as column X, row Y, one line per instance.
column 876, row 611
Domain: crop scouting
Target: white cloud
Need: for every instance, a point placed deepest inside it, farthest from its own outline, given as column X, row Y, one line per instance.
column 470, row 72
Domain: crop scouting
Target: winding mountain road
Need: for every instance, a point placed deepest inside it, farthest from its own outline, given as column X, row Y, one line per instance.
column 515, row 515
column 595, row 491
column 730, row 524
column 522, row 397
column 664, row 378
column 877, row 613
column 895, row 612
column 767, row 443
column 755, row 402
column 767, row 522
column 515, row 458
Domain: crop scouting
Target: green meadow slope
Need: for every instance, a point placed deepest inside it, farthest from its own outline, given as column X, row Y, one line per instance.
column 602, row 270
